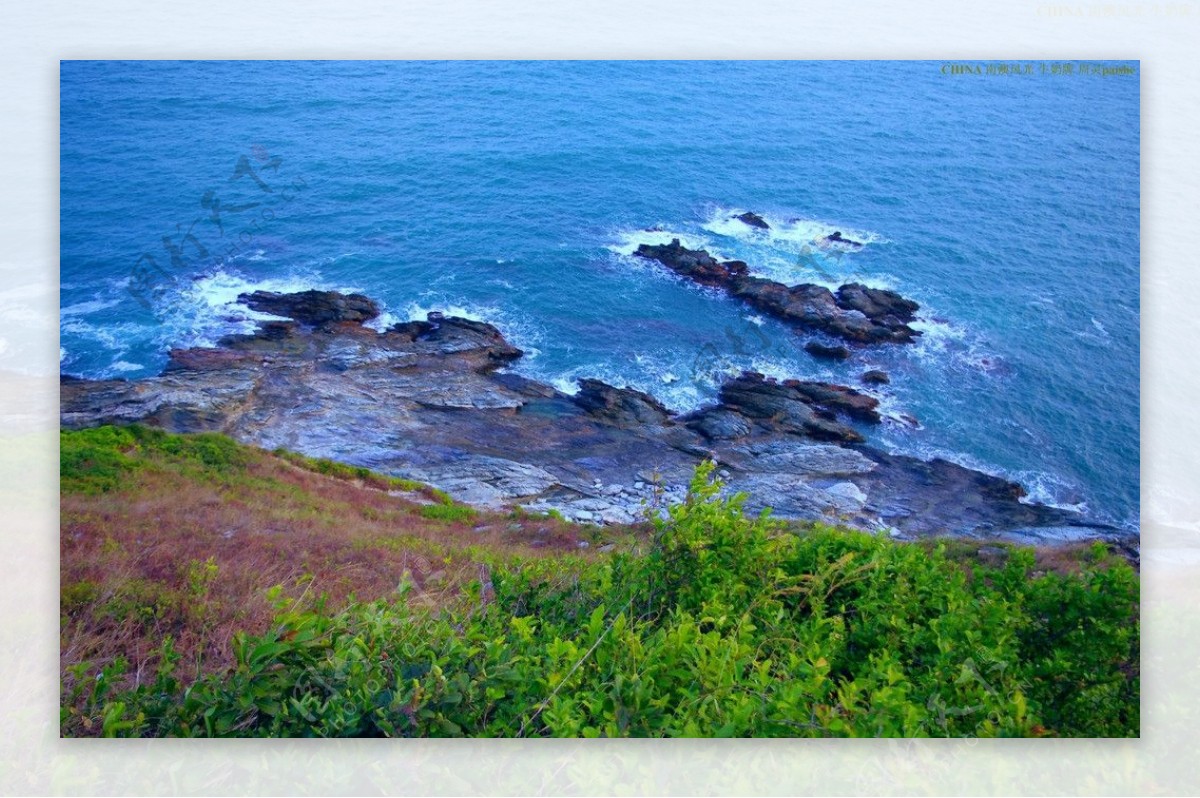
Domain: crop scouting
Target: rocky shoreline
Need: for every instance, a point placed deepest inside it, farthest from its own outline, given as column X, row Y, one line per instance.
column 427, row 400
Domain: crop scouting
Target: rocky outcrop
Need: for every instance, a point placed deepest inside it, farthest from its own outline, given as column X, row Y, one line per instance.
column 316, row 308
column 855, row 313
column 753, row 219
column 836, row 238
column 815, row 307
column 875, row 377
column 622, row 406
column 838, row 399
column 720, row 423
column 886, row 307
column 453, row 335
column 818, row 349
column 695, row 264
column 812, row 405
column 425, row 400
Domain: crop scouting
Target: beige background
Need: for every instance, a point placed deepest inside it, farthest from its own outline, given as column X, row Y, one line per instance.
column 35, row 35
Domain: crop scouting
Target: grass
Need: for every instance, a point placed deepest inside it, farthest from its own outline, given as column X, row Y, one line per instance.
column 142, row 511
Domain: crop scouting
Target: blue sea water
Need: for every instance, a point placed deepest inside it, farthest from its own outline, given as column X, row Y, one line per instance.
column 514, row 192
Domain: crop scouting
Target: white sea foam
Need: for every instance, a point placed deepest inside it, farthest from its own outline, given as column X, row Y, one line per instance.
column 122, row 366
column 626, row 242
column 117, row 338
column 891, row 410
column 1098, row 333
column 1041, row 487
column 517, row 329
column 384, row 320
column 113, row 336
column 944, row 343
column 206, row 309
column 83, row 308
column 795, row 232
column 1049, row 490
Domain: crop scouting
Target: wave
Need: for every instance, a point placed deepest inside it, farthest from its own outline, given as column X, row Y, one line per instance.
column 517, row 328
column 787, row 230
column 627, row 241
column 945, row 344
column 123, row 366
column 788, row 256
column 651, row 374
column 206, row 309
column 84, row 308
column 1041, row 487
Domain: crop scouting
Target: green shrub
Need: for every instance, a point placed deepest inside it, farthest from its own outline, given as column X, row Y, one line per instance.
column 94, row 461
column 447, row 512
column 77, row 595
column 98, row 460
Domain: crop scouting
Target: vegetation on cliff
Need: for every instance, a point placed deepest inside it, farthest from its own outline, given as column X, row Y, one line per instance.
column 213, row 589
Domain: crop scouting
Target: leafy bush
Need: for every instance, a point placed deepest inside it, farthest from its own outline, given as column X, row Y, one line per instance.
column 94, row 461
column 97, row 460
column 447, row 511
column 728, row 626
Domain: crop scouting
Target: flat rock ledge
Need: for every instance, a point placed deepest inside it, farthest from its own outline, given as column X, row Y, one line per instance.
column 429, row 400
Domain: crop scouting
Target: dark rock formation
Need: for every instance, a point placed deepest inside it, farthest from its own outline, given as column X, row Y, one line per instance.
column 818, row 349
column 622, row 406
column 786, row 407
column 754, row 220
column 316, row 308
column 719, row 423
column 695, row 264
column 424, row 400
column 875, row 377
column 837, row 398
column 836, row 238
column 876, row 303
column 856, row 313
column 451, row 334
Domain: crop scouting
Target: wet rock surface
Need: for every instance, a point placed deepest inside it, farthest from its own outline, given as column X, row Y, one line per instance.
column 818, row 349
column 313, row 307
column 753, row 219
column 427, row 400
column 856, row 313
column 875, row 377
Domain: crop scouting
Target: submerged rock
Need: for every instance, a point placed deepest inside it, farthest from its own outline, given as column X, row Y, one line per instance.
column 818, row 349
column 875, row 377
column 753, row 219
column 836, row 238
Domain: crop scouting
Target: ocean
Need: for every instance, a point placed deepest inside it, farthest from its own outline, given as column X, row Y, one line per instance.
column 1006, row 204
